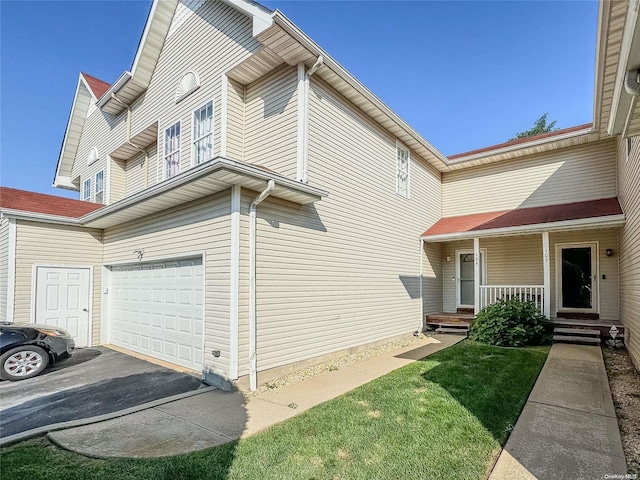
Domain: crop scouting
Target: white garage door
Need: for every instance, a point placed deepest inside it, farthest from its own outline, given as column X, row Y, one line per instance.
column 157, row 310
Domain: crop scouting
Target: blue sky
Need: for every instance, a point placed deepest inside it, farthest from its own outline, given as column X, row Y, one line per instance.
column 465, row 74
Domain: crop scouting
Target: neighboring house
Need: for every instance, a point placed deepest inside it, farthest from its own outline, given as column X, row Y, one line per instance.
column 263, row 209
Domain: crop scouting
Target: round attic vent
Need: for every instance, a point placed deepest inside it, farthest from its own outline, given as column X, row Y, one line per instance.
column 93, row 156
column 190, row 82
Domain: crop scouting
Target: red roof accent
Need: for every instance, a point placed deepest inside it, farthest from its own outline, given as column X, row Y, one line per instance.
column 25, row 201
column 526, row 216
column 97, row 86
column 521, row 140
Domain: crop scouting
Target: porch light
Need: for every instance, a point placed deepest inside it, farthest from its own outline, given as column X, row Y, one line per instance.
column 608, row 252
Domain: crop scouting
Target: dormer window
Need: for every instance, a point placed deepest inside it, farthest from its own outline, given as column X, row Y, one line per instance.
column 189, row 83
column 93, row 156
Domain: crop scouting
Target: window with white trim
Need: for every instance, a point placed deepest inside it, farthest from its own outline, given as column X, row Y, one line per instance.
column 172, row 150
column 203, row 134
column 402, row 170
column 86, row 190
column 99, row 195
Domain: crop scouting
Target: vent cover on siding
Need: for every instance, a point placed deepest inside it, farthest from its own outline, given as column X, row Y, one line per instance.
column 188, row 84
column 93, row 156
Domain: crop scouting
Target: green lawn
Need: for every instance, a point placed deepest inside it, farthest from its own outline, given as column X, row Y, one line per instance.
column 445, row 416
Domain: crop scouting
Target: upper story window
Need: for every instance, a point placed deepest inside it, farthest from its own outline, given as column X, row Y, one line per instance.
column 93, row 156
column 172, row 150
column 86, row 190
column 203, row 134
column 99, row 196
column 402, row 170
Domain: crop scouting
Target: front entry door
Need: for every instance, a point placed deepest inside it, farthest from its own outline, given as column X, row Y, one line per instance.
column 62, row 300
column 578, row 274
column 464, row 274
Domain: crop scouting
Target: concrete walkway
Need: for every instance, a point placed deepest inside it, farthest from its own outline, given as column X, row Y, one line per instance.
column 212, row 418
column 568, row 427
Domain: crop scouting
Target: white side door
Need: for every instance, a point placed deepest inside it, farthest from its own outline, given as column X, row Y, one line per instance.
column 62, row 299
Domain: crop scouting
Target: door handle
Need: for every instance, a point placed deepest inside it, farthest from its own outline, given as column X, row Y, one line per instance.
column 85, row 310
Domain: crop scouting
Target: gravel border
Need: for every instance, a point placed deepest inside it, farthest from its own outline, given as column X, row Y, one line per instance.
column 330, row 365
column 624, row 381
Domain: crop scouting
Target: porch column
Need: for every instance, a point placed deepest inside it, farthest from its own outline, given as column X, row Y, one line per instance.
column 546, row 259
column 476, row 275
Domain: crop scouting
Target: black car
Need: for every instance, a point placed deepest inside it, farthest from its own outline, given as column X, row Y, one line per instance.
column 26, row 350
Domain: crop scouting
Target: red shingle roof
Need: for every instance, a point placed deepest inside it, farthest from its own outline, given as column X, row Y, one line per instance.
column 11, row 198
column 97, row 86
column 526, row 216
column 521, row 140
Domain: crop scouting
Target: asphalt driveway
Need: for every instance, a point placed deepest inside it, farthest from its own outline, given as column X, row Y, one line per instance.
column 95, row 381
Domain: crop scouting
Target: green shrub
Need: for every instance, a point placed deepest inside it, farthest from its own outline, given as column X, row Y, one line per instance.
column 510, row 323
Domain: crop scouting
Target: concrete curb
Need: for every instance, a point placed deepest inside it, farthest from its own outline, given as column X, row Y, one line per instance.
column 36, row 432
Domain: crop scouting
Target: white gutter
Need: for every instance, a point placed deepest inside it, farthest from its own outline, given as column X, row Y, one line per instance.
column 39, row 217
column 521, row 146
column 253, row 379
column 115, row 88
column 593, row 222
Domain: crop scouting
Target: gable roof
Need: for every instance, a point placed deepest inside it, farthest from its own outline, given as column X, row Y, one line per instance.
column 88, row 89
column 97, row 86
column 25, row 201
column 457, row 227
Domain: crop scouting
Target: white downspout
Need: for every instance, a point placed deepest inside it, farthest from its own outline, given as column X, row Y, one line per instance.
column 253, row 379
column 422, row 317
column 303, row 118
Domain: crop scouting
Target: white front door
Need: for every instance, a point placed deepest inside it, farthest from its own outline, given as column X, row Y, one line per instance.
column 157, row 309
column 465, row 288
column 62, row 299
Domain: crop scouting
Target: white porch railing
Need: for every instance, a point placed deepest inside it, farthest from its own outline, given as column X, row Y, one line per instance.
column 532, row 293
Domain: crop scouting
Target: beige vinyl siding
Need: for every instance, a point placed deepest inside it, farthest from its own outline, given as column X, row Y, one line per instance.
column 189, row 230
column 235, row 120
column 271, row 121
column 117, row 180
column 105, row 132
column 345, row 271
column 50, row 244
column 4, row 267
column 135, row 172
column 209, row 42
column 586, row 172
column 629, row 238
column 517, row 260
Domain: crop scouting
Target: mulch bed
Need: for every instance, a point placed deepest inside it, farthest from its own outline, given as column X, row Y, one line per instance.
column 624, row 381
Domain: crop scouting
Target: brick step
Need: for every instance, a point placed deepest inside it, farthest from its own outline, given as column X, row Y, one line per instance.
column 577, row 331
column 457, row 331
column 576, row 339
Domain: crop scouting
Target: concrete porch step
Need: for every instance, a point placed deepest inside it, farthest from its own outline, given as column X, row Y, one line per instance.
column 457, row 331
column 577, row 331
column 576, row 339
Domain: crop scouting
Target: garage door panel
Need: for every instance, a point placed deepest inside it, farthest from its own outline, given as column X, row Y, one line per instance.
column 157, row 309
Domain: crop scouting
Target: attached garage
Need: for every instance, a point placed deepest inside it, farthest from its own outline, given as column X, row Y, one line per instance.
column 157, row 309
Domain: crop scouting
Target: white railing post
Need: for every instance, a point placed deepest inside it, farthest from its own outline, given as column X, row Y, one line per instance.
column 476, row 275
column 546, row 259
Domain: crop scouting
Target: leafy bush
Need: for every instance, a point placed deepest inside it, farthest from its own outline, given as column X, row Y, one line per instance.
column 510, row 323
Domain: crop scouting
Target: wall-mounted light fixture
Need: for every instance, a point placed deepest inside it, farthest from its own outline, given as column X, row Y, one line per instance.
column 448, row 259
column 608, row 252
column 139, row 253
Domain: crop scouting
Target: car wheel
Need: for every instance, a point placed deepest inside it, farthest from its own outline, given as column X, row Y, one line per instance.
column 23, row 362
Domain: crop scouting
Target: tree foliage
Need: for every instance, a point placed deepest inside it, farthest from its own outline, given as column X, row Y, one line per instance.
column 539, row 127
